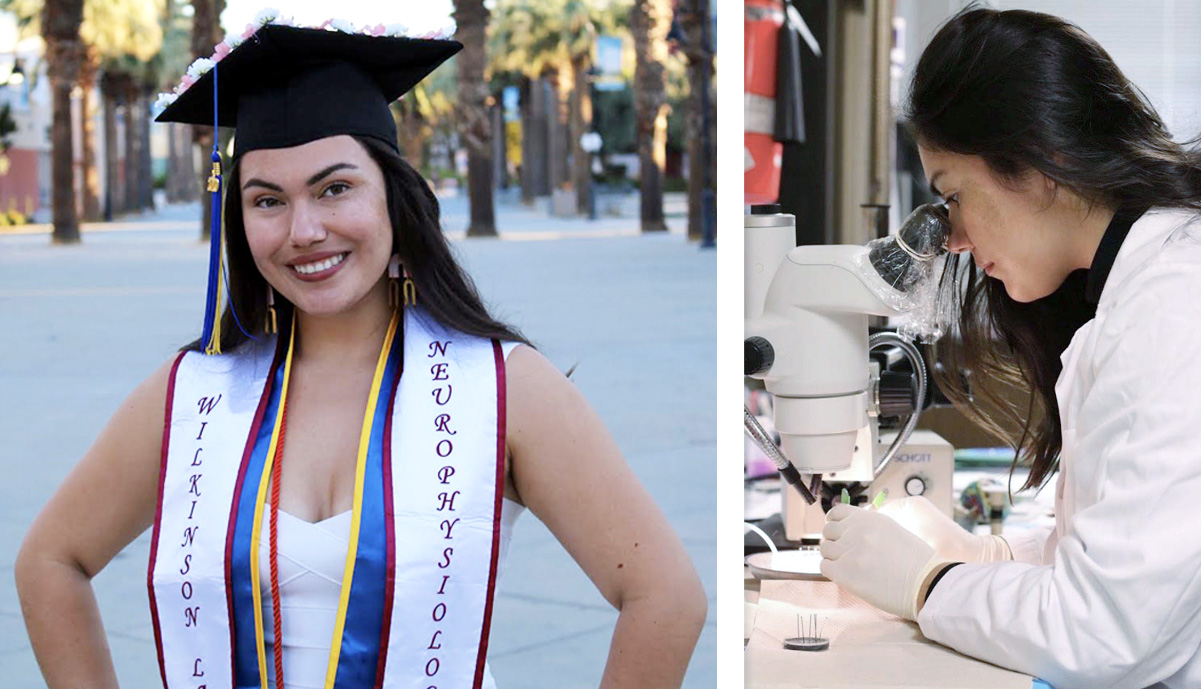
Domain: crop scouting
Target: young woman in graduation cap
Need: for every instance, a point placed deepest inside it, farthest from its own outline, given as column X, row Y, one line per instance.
column 333, row 470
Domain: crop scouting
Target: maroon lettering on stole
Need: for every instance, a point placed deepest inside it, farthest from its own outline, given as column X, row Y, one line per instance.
column 191, row 613
column 448, row 500
column 440, row 424
column 438, row 349
column 441, row 371
column 207, row 405
column 438, row 398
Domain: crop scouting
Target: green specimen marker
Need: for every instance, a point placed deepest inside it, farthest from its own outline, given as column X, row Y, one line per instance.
column 880, row 498
column 846, row 497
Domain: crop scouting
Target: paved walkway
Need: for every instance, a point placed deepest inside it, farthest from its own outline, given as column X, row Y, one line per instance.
column 80, row 326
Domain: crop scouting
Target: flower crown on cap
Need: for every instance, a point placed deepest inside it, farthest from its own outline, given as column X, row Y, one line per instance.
column 267, row 16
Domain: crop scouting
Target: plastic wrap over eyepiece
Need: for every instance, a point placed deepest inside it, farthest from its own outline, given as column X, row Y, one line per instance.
column 904, row 271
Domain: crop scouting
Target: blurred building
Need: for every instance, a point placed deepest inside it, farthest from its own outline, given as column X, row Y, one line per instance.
column 25, row 89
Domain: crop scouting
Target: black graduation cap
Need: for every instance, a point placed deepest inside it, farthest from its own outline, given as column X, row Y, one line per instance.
column 286, row 85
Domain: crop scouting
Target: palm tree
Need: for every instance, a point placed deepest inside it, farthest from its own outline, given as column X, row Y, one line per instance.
column 206, row 34
column 526, row 40
column 124, row 37
column 650, row 21
column 471, row 17
column 701, row 171
column 578, row 36
column 65, row 52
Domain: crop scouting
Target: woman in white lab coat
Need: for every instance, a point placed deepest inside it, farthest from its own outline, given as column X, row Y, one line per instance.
column 1083, row 285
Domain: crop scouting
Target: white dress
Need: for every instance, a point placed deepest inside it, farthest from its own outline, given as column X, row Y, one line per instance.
column 311, row 561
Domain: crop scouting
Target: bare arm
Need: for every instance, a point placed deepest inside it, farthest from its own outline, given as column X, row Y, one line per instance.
column 106, row 501
column 569, row 471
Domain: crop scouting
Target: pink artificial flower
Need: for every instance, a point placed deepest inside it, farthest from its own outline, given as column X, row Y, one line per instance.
column 221, row 52
column 429, row 34
column 250, row 29
column 187, row 81
column 325, row 24
column 378, row 30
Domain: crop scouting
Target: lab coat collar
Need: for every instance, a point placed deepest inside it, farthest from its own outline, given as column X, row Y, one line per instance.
column 1107, row 251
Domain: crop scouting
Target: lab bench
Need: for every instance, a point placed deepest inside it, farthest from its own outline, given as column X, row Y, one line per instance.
column 868, row 648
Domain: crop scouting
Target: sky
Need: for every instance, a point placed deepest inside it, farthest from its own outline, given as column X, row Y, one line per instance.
column 418, row 16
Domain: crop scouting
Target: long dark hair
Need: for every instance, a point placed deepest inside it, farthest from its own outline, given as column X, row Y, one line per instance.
column 1027, row 92
column 444, row 290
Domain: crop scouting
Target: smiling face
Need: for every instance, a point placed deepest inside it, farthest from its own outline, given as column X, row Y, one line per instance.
column 316, row 218
column 1019, row 234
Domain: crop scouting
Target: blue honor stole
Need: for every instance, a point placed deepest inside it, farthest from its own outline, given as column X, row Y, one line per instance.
column 414, row 611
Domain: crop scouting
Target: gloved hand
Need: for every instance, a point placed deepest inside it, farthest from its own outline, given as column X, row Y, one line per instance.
column 920, row 517
column 875, row 558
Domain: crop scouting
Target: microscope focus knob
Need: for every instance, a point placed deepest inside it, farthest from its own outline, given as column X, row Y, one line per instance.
column 896, row 393
column 758, row 356
column 915, row 485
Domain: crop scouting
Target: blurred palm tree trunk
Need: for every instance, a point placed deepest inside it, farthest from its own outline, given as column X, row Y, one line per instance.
column 693, row 16
column 61, row 20
column 145, row 162
column 132, row 144
column 581, row 123
column 580, row 36
column 528, row 91
column 206, row 34
column 650, row 21
column 471, row 17
column 557, row 145
column 109, row 87
column 91, row 176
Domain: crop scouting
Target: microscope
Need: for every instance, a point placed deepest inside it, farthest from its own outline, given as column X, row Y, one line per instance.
column 807, row 339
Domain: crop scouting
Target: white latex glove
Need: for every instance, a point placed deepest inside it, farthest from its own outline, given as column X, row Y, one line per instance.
column 875, row 558
column 919, row 516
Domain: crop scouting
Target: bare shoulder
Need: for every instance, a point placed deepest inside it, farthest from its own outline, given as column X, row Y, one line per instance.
column 538, row 394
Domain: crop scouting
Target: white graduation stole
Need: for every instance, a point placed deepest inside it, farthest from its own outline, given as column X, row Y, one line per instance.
column 419, row 606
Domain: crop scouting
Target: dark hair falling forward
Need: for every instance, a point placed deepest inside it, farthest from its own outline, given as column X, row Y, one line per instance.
column 444, row 290
column 1029, row 92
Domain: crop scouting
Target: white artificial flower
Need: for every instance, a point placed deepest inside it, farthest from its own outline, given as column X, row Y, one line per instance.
column 284, row 20
column 233, row 40
column 265, row 16
column 164, row 99
column 200, row 67
column 447, row 31
column 342, row 25
column 396, row 30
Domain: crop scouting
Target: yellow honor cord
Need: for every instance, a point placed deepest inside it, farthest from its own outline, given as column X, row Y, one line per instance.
column 335, row 649
column 356, row 518
column 256, row 589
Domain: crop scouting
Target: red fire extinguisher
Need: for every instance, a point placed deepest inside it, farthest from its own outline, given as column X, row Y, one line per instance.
column 762, row 154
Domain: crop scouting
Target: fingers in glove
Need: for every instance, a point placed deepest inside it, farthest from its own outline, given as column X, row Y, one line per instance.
column 841, row 511
column 833, row 531
column 832, row 550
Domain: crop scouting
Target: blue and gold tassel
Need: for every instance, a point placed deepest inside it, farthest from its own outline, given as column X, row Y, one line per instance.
column 211, row 337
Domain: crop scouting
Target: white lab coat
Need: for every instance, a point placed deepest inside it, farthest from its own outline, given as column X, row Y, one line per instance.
column 1111, row 598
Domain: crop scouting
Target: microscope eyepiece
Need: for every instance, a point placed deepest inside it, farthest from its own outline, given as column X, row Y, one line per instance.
column 922, row 238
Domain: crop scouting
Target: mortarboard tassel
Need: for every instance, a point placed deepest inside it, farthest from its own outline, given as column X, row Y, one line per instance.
column 212, row 313
column 211, row 336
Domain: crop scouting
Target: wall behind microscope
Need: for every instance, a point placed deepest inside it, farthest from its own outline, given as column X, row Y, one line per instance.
column 1153, row 41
